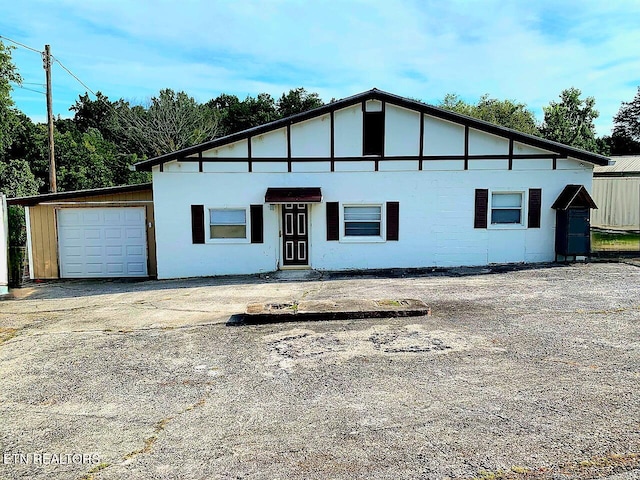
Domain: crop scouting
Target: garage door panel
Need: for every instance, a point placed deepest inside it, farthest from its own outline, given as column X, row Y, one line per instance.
column 134, row 250
column 95, row 268
column 71, row 251
column 112, row 218
column 95, row 251
column 102, row 242
column 113, row 250
column 115, row 268
column 136, row 269
column 92, row 233
column 134, row 217
column 91, row 218
column 112, row 232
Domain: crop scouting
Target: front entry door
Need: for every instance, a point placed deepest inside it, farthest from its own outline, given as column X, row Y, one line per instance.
column 295, row 234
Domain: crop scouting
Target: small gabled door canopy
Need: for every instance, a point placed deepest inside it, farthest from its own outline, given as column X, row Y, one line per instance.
column 574, row 196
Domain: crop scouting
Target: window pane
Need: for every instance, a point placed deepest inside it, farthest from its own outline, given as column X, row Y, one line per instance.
column 228, row 231
column 505, row 215
column 364, row 214
column 361, row 229
column 227, row 216
column 513, row 200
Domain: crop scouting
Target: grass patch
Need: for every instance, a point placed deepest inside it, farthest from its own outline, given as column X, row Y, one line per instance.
column 96, row 469
column 614, row 241
column 7, row 333
column 389, row 303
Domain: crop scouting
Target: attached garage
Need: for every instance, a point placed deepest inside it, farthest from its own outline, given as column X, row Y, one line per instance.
column 99, row 233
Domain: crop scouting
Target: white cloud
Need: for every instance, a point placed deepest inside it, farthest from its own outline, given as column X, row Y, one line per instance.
column 422, row 49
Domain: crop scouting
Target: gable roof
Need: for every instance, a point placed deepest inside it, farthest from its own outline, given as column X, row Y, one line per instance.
column 574, row 196
column 375, row 94
column 93, row 192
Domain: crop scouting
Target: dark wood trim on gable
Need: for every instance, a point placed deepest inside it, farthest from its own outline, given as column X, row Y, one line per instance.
column 289, row 147
column 554, row 147
column 384, row 128
column 249, row 155
column 162, row 167
column 333, row 141
column 200, row 162
column 511, row 154
column 376, row 160
column 555, row 163
column 421, row 146
column 466, row 147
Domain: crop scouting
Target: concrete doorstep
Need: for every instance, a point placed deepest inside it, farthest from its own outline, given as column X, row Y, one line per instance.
column 344, row 309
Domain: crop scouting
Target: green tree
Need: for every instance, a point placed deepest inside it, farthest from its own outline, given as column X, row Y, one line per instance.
column 236, row 115
column 8, row 75
column 570, row 121
column 298, row 100
column 625, row 139
column 506, row 113
column 17, row 180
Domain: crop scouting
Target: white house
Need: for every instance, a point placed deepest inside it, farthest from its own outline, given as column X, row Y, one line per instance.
column 370, row 181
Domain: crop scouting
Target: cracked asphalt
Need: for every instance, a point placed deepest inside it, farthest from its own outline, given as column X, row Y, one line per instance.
column 524, row 373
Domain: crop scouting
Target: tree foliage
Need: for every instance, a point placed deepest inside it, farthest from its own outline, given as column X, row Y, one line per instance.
column 506, row 113
column 8, row 75
column 298, row 100
column 237, row 115
column 625, row 139
column 571, row 121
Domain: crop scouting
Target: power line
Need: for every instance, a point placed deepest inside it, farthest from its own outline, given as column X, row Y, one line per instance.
column 21, row 45
column 30, row 89
column 73, row 75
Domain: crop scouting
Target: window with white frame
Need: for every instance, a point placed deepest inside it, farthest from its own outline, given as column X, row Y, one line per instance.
column 506, row 208
column 362, row 220
column 227, row 223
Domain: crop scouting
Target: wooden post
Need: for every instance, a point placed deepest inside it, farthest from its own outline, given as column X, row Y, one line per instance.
column 46, row 57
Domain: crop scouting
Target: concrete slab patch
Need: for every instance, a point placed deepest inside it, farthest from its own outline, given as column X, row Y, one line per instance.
column 332, row 309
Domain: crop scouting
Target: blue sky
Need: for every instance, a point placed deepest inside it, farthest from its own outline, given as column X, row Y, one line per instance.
column 527, row 51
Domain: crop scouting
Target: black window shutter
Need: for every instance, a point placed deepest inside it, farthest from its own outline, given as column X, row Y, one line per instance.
column 535, row 205
column 197, row 223
column 393, row 220
column 482, row 205
column 257, row 235
column 333, row 220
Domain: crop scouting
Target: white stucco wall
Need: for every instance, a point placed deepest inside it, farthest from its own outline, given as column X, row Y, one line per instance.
column 436, row 203
column 436, row 219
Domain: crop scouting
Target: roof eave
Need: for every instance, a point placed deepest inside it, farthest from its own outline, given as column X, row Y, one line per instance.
column 93, row 192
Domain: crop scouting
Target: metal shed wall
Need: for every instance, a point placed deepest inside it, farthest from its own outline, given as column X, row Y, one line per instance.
column 43, row 231
column 618, row 200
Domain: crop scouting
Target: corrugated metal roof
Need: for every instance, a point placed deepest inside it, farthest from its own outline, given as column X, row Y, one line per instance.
column 624, row 164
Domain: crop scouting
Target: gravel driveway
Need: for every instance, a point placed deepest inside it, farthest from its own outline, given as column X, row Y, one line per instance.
column 529, row 373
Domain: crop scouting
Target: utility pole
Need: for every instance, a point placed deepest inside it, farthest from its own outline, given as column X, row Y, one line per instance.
column 46, row 58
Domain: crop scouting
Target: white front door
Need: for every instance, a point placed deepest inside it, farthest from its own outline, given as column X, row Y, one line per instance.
column 102, row 242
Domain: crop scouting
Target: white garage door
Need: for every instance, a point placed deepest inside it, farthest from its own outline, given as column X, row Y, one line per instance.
column 102, row 242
